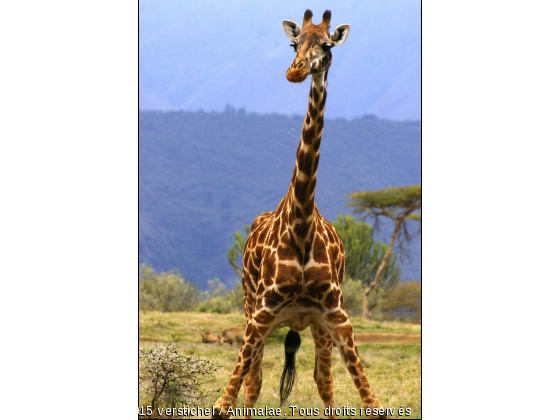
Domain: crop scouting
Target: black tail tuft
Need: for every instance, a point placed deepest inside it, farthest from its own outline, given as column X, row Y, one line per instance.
column 291, row 346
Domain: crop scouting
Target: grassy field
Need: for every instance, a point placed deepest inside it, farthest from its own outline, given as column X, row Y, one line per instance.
column 390, row 353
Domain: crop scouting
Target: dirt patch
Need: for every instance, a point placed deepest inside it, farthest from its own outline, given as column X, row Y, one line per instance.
column 371, row 337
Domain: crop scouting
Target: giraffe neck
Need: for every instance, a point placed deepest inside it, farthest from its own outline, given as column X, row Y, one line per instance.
column 301, row 195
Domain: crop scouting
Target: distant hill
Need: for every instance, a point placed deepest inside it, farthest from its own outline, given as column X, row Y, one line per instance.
column 204, row 55
column 205, row 175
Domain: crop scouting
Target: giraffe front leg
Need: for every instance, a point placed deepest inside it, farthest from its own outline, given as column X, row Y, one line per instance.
column 253, row 381
column 322, row 374
column 253, row 342
column 338, row 326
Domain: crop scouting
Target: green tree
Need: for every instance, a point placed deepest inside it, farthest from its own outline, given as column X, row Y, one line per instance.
column 236, row 250
column 402, row 205
column 364, row 256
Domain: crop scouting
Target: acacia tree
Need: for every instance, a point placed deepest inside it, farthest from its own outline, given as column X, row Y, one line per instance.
column 401, row 205
column 364, row 256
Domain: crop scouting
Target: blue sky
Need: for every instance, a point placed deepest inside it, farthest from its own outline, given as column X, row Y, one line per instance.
column 204, row 55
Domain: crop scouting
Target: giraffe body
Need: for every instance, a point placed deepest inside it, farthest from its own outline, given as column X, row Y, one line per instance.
column 293, row 261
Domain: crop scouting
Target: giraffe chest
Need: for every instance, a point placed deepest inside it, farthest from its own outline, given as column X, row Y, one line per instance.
column 298, row 280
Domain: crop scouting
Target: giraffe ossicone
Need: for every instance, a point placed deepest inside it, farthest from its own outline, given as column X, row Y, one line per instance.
column 293, row 261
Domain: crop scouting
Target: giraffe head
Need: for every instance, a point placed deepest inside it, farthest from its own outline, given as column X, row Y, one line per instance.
column 312, row 44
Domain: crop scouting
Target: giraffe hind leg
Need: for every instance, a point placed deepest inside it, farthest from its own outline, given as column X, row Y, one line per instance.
column 252, row 345
column 339, row 327
column 322, row 374
column 253, row 381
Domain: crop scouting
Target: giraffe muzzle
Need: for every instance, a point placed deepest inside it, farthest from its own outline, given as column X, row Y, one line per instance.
column 297, row 73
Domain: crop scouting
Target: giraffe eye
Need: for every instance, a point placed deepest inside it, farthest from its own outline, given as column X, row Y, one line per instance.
column 293, row 44
column 326, row 47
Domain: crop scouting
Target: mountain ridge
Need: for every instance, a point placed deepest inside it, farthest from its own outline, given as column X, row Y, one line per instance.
column 204, row 175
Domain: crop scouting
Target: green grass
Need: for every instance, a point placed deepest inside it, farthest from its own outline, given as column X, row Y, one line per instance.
column 393, row 368
column 362, row 325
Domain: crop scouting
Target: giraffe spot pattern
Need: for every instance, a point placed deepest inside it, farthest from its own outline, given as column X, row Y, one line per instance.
column 309, row 208
column 300, row 190
column 315, row 166
column 336, row 317
column 301, row 229
column 331, row 300
column 316, row 149
column 247, row 351
column 315, row 94
column 352, row 356
column 263, row 317
column 309, row 135
column 322, row 103
column 273, row 299
column 287, row 274
column 287, row 253
column 321, row 289
column 312, row 112
column 318, row 274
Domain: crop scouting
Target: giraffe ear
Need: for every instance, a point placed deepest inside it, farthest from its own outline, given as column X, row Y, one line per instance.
column 339, row 35
column 292, row 29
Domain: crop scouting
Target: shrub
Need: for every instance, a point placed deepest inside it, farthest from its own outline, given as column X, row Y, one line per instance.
column 353, row 293
column 172, row 379
column 165, row 292
column 220, row 300
column 405, row 302
column 277, row 336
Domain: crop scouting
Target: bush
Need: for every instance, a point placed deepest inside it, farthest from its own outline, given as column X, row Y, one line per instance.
column 405, row 302
column 353, row 293
column 220, row 300
column 277, row 336
column 165, row 292
column 172, row 379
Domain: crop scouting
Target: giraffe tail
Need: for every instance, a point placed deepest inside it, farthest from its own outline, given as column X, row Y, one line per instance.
column 291, row 346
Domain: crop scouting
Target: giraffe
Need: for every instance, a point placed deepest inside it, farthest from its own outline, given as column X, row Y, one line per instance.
column 293, row 261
